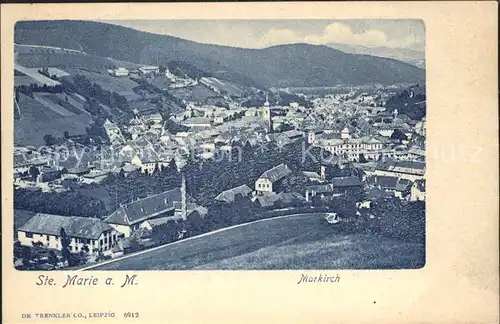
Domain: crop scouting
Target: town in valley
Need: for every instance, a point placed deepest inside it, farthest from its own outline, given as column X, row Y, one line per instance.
column 126, row 142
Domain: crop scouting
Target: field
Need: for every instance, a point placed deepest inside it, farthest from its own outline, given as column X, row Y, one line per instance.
column 293, row 242
column 194, row 93
column 68, row 102
column 121, row 85
column 124, row 64
column 63, row 61
column 222, row 85
column 34, row 77
column 37, row 119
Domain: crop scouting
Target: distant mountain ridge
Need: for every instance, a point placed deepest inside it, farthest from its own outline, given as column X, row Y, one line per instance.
column 410, row 56
column 294, row 65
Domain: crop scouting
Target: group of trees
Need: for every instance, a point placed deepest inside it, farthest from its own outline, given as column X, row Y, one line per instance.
column 205, row 180
column 182, row 68
column 410, row 102
column 45, row 71
column 50, row 140
column 396, row 219
column 145, row 85
column 93, row 90
column 70, row 203
column 32, row 88
column 125, row 188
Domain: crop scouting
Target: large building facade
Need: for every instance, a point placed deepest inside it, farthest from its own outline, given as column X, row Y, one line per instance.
column 82, row 232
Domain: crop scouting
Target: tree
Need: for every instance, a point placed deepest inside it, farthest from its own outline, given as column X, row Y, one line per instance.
column 295, row 183
column 362, row 158
column 34, row 172
column 49, row 139
column 65, row 245
column 398, row 135
column 53, row 259
column 26, row 255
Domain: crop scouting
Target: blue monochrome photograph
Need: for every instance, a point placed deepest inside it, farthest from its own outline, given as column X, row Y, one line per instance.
column 219, row 145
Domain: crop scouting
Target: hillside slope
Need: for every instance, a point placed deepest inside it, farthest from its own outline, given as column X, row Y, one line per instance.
column 298, row 65
column 302, row 241
column 410, row 56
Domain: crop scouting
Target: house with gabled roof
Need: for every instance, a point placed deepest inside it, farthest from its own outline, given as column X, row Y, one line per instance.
column 230, row 195
column 417, row 192
column 397, row 186
column 81, row 231
column 410, row 170
column 270, row 180
column 128, row 217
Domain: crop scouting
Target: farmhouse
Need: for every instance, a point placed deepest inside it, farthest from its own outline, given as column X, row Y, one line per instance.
column 146, row 70
column 82, row 231
column 270, row 180
column 119, row 72
column 152, row 223
column 128, row 217
column 345, row 184
column 326, row 190
column 410, row 170
column 231, row 194
column 399, row 187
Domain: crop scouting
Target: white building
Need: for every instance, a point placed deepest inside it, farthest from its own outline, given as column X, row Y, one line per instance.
column 146, row 70
column 269, row 180
column 119, row 72
column 81, row 231
column 351, row 148
column 418, row 191
column 410, row 170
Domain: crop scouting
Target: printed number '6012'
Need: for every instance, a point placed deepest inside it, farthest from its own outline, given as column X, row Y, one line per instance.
column 131, row 315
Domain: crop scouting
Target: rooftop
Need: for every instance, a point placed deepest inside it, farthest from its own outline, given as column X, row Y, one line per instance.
column 145, row 208
column 276, row 173
column 346, row 181
column 230, row 194
column 82, row 227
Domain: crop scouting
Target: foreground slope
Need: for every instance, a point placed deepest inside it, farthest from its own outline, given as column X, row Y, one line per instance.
column 294, row 65
column 291, row 242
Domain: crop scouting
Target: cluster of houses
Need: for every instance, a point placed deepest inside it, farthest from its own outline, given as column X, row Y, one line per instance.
column 149, row 70
column 387, row 166
column 137, row 219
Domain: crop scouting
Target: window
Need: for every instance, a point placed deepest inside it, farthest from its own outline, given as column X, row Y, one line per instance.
column 105, row 240
column 29, row 235
column 48, row 237
column 100, row 242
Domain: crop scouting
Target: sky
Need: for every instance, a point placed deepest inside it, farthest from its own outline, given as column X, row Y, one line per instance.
column 409, row 34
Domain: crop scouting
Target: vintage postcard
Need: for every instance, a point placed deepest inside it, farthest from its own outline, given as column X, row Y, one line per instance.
column 309, row 163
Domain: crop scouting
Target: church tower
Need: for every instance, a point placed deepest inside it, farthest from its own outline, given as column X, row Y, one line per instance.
column 267, row 115
column 395, row 113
